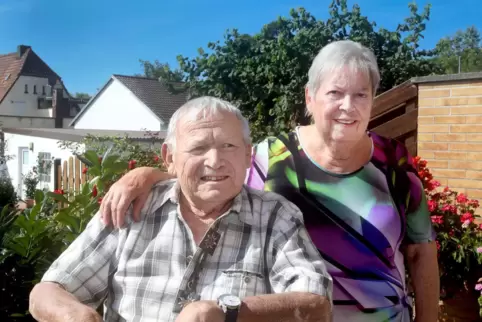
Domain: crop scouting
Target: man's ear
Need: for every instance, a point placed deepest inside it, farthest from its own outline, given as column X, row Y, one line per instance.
column 167, row 157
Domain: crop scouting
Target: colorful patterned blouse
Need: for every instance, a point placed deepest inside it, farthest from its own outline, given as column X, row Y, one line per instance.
column 354, row 222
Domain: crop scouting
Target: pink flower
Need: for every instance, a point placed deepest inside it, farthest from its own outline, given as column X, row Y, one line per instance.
column 478, row 287
column 437, row 219
column 466, row 224
column 479, row 250
column 462, row 198
column 446, row 208
column 432, row 205
column 467, row 217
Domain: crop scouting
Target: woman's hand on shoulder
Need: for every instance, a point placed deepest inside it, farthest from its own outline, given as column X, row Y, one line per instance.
column 133, row 188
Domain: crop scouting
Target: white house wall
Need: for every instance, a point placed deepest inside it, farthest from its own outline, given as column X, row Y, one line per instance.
column 26, row 121
column 117, row 108
column 17, row 102
column 15, row 141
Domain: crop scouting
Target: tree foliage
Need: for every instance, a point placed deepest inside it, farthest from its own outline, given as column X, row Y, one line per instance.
column 465, row 44
column 265, row 74
column 82, row 96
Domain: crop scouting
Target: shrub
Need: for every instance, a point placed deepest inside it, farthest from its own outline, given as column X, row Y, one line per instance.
column 30, row 182
column 7, row 193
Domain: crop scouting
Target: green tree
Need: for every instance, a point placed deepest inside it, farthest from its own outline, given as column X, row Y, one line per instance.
column 465, row 45
column 83, row 96
column 160, row 71
column 265, row 74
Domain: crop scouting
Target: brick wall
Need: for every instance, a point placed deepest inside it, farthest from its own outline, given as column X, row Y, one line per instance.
column 450, row 133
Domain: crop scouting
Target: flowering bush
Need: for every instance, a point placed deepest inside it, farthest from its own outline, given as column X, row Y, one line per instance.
column 459, row 237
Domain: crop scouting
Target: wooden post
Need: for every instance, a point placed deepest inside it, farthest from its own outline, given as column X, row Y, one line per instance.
column 57, row 175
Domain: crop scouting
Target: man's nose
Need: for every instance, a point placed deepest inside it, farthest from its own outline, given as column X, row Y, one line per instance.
column 214, row 159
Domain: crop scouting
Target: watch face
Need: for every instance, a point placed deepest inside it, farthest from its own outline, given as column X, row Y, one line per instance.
column 230, row 301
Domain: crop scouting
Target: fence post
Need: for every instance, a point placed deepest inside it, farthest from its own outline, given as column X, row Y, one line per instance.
column 57, row 185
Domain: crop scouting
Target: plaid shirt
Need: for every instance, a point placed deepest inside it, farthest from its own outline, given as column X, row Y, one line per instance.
column 149, row 270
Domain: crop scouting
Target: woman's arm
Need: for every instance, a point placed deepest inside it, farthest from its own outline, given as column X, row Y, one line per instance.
column 133, row 188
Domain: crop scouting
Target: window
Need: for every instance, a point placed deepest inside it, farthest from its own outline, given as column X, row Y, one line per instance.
column 24, row 157
column 35, row 89
column 43, row 90
column 44, row 166
column 26, row 89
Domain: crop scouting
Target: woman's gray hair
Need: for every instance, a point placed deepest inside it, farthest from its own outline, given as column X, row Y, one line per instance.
column 343, row 53
column 201, row 108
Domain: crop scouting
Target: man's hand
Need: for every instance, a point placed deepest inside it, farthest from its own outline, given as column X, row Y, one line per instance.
column 201, row 311
column 133, row 188
column 59, row 305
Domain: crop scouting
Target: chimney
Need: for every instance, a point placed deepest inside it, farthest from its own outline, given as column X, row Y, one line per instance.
column 21, row 49
column 60, row 107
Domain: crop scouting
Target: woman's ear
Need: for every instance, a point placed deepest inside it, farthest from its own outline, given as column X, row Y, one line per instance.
column 167, row 157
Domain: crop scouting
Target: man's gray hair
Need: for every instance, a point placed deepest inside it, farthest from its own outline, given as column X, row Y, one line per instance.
column 201, row 108
column 339, row 54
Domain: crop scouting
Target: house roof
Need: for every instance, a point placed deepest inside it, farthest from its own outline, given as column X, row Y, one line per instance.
column 77, row 135
column 149, row 91
column 24, row 62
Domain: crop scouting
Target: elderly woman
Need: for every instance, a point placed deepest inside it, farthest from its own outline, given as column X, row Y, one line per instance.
column 362, row 202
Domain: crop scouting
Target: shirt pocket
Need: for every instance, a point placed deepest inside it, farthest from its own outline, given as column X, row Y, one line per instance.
column 241, row 283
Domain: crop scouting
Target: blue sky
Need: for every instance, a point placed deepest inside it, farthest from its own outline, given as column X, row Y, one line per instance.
column 86, row 41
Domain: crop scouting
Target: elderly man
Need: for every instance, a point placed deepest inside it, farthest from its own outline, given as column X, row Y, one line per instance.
column 206, row 248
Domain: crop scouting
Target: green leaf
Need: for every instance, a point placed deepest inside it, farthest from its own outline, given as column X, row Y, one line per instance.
column 68, row 220
column 57, row 197
column 92, row 156
column 39, row 196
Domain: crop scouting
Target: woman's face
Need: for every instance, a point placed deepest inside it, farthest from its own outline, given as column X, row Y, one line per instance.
column 342, row 105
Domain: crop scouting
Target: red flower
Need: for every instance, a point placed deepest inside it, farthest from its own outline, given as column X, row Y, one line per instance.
column 446, row 207
column 132, row 164
column 94, row 191
column 446, row 189
column 474, row 203
column 59, row 191
column 467, row 216
column 84, row 170
column 156, row 158
column 437, row 219
column 99, row 200
column 438, row 244
column 453, row 209
column 451, row 232
column 461, row 198
column 432, row 205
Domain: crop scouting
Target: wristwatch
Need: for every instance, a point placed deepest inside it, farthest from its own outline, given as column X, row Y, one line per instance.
column 230, row 305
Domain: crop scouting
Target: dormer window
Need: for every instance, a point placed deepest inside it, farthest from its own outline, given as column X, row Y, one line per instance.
column 35, row 89
column 26, row 89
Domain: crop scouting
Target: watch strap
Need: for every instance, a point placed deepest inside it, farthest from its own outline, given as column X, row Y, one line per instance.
column 231, row 315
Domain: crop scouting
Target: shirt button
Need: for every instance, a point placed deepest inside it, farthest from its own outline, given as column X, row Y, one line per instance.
column 247, row 279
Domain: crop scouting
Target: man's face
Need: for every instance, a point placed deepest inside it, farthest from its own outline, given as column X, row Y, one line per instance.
column 210, row 157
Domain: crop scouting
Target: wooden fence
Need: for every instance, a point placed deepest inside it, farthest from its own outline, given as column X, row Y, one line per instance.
column 68, row 175
column 395, row 115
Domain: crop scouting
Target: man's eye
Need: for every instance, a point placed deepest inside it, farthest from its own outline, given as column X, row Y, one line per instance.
column 229, row 146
